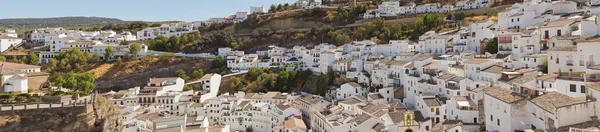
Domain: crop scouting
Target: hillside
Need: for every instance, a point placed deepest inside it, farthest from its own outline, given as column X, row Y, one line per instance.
column 112, row 76
column 56, row 21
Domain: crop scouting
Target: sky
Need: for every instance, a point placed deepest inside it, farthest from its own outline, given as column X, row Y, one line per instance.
column 131, row 10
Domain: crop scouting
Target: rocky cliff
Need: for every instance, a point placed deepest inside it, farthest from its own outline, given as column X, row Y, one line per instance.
column 101, row 116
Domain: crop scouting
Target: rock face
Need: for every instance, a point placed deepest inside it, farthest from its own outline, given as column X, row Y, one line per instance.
column 101, row 116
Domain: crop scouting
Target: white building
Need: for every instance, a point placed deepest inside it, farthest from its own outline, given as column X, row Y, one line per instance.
column 257, row 9
column 8, row 41
column 504, row 110
column 14, row 78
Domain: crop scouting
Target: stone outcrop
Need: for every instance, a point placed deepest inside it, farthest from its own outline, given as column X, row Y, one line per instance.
column 101, row 116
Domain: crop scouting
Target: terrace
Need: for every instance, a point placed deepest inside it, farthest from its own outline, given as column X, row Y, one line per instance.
column 578, row 76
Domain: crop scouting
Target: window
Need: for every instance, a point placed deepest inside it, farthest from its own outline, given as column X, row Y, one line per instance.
column 573, row 88
column 558, row 33
column 491, row 117
column 582, row 88
column 498, row 122
column 546, row 35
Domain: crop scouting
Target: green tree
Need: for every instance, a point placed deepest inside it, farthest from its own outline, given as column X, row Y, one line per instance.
column 279, row 7
column 14, row 59
column 175, row 44
column 181, row 73
column 108, row 53
column 134, row 48
column 219, row 65
column 272, row 9
column 235, row 45
column 33, row 59
column 82, row 82
column 544, row 67
column 187, row 88
column 198, row 73
column 24, row 59
column 341, row 14
column 492, row 46
column 2, row 59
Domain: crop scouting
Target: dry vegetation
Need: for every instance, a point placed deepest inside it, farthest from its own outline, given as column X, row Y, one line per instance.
column 137, row 72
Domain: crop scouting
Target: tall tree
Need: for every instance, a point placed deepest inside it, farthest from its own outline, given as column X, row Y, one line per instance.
column 492, row 46
column 134, row 48
column 33, row 59
column 198, row 73
column 108, row 53
column 181, row 73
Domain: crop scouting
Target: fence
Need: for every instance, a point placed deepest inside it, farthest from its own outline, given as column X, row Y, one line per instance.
column 70, row 103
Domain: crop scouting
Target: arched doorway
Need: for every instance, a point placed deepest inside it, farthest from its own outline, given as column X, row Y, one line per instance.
column 408, row 130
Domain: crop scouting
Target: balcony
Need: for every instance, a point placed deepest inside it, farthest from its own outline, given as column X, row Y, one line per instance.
column 505, row 49
column 474, row 108
column 414, row 75
column 430, row 72
column 569, row 63
column 453, row 87
column 578, row 76
column 428, row 82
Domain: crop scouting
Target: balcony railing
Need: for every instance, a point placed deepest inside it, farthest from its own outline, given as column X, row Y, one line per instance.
column 428, row 82
column 453, row 87
column 431, row 73
column 415, row 75
column 569, row 63
column 467, row 107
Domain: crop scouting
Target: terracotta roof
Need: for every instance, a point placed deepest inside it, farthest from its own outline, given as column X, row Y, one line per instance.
column 373, row 108
column 537, row 56
column 593, row 125
column 424, row 57
column 376, row 96
column 495, row 69
column 559, row 23
column 595, row 86
column 474, row 61
column 397, row 116
column 504, row 95
column 521, row 79
column 446, row 76
column 7, row 37
column 17, row 77
column 8, row 70
column 548, row 77
column 283, row 106
column 361, row 118
column 563, row 49
column 432, row 102
column 553, row 100
column 447, row 124
column 18, row 65
column 483, row 89
column 350, row 101
column 397, row 107
column 294, row 123
column 594, row 67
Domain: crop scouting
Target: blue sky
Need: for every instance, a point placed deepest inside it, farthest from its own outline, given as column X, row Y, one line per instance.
column 146, row 10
